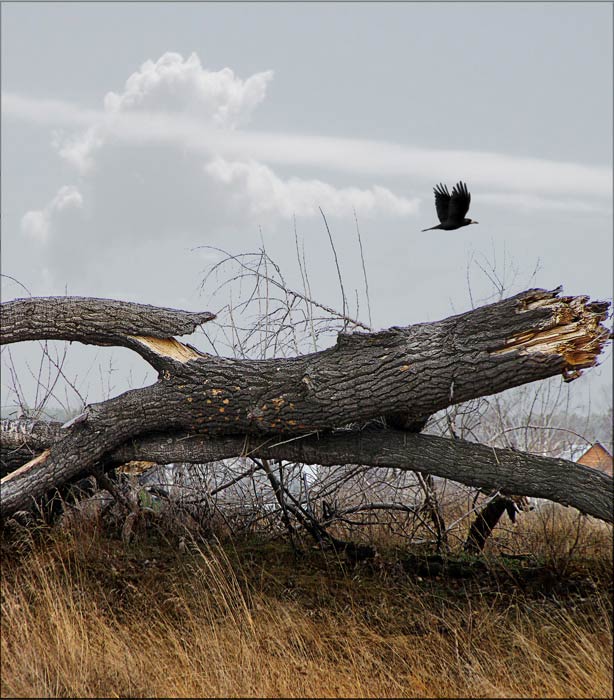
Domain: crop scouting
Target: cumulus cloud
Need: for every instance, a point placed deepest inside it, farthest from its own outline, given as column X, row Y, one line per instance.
column 170, row 162
column 36, row 224
column 169, row 87
column 263, row 192
column 218, row 98
column 79, row 150
column 185, row 116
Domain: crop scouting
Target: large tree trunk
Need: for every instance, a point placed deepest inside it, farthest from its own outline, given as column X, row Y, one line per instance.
column 403, row 371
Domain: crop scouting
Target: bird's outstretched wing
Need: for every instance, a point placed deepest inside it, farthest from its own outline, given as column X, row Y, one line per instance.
column 442, row 202
column 459, row 203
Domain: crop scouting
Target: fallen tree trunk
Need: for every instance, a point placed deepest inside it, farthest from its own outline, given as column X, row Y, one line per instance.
column 508, row 471
column 410, row 371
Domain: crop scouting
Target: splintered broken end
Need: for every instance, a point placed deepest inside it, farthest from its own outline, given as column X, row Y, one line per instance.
column 570, row 374
column 169, row 347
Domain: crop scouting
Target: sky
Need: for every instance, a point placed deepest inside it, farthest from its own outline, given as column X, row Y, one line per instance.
column 136, row 134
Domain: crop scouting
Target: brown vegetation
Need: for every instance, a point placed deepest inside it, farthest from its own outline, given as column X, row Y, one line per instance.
column 87, row 616
column 256, row 577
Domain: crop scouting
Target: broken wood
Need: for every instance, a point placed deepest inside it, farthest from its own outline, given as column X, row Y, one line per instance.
column 412, row 371
column 486, row 520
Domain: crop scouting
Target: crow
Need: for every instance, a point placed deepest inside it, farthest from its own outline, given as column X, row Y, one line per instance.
column 451, row 210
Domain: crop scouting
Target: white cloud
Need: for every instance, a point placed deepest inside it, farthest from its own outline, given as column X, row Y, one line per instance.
column 79, row 150
column 155, row 154
column 216, row 98
column 36, row 224
column 68, row 197
column 263, row 192
column 171, row 163
column 47, row 112
column 170, row 86
column 530, row 176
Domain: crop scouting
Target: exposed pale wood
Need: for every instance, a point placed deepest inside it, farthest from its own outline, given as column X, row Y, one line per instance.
column 168, row 347
column 409, row 372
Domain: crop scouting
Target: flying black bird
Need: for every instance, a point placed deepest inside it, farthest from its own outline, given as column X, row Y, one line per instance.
column 451, row 210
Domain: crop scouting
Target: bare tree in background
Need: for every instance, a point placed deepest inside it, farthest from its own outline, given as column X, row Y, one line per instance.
column 265, row 318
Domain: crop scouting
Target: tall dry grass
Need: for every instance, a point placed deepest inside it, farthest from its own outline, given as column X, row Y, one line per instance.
column 85, row 616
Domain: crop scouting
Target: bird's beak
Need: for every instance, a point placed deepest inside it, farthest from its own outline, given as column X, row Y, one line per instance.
column 475, row 222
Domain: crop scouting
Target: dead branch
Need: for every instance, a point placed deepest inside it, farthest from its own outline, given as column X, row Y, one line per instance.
column 412, row 371
column 508, row 471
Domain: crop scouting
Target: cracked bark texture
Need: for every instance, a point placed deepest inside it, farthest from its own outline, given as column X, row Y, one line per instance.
column 414, row 371
column 91, row 320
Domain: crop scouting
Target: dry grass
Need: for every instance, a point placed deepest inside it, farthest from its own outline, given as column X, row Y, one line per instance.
column 85, row 616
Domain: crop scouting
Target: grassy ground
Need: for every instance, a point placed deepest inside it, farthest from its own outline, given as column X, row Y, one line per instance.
column 84, row 615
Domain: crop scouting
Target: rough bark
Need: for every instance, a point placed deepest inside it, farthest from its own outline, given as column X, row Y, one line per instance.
column 91, row 320
column 509, row 471
column 21, row 440
column 413, row 371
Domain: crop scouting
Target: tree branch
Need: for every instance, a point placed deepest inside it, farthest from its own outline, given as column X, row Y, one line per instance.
column 98, row 322
column 413, row 371
column 508, row 471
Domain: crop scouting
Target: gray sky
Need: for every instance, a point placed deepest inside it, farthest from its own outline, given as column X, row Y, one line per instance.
column 134, row 132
